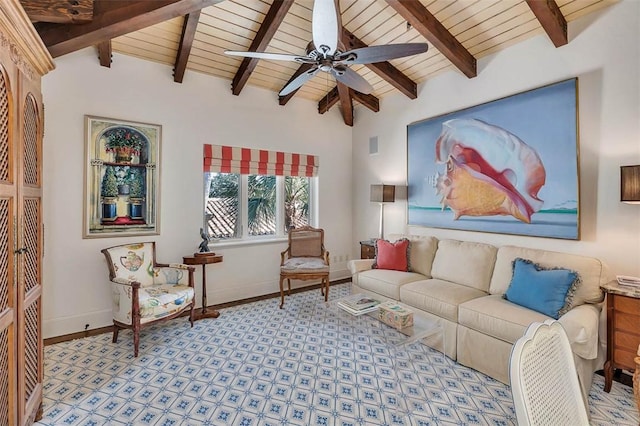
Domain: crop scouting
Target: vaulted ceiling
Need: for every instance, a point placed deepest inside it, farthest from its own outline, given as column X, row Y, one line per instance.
column 191, row 36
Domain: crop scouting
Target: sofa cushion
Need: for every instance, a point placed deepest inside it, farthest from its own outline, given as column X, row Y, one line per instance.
column 438, row 297
column 593, row 273
column 466, row 263
column 541, row 289
column 422, row 250
column 394, row 256
column 386, row 282
column 497, row 317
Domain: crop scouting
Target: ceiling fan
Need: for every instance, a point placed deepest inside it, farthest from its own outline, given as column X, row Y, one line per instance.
column 325, row 52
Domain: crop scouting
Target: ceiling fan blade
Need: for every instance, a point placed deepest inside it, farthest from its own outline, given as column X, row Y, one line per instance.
column 272, row 56
column 352, row 79
column 299, row 81
column 373, row 54
column 324, row 25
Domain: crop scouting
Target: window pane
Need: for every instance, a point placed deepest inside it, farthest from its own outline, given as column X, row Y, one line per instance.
column 222, row 212
column 296, row 203
column 262, row 205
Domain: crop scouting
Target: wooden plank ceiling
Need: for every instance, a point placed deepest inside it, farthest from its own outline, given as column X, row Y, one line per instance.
column 191, row 36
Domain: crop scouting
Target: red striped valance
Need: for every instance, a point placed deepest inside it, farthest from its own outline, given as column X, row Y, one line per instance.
column 232, row 159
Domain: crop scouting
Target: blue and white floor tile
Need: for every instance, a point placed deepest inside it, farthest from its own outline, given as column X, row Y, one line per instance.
column 260, row 365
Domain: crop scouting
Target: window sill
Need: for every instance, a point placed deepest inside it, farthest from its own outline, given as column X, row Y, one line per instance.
column 245, row 243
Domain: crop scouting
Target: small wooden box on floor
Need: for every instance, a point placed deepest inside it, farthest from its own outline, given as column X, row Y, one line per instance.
column 395, row 315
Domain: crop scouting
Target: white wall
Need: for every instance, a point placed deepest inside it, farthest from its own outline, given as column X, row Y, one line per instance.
column 603, row 53
column 201, row 110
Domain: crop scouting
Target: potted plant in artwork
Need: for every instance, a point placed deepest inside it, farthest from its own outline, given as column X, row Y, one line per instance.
column 109, row 193
column 124, row 143
column 136, row 193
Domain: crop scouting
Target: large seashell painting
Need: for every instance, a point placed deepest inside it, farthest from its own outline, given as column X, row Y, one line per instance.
column 489, row 171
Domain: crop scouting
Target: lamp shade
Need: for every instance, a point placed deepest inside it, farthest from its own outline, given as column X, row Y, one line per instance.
column 630, row 184
column 383, row 193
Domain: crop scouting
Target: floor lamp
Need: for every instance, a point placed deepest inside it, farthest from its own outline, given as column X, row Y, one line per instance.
column 383, row 194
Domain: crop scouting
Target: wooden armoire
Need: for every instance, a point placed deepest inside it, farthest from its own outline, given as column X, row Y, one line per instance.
column 23, row 62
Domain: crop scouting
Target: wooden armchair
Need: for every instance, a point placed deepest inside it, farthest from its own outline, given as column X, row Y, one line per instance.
column 305, row 259
column 144, row 291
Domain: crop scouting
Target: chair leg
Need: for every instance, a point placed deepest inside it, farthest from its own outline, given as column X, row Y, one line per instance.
column 136, row 339
column 281, row 291
column 289, row 287
column 326, row 291
column 115, row 333
column 193, row 305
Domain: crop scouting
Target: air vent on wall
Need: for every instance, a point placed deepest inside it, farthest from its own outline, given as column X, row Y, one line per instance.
column 373, row 145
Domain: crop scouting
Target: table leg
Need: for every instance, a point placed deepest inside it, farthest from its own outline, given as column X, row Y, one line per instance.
column 205, row 313
column 608, row 375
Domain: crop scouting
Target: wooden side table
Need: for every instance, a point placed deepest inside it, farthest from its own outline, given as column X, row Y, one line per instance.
column 204, row 260
column 367, row 249
column 623, row 333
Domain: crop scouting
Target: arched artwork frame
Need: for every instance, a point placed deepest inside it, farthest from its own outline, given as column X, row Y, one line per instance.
column 121, row 179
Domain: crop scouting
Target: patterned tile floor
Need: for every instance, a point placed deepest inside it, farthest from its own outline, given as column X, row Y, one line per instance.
column 259, row 365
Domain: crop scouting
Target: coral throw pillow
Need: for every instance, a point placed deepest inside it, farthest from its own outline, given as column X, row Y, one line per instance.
column 394, row 256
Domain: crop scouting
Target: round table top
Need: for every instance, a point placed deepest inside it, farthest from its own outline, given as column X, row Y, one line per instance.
column 199, row 259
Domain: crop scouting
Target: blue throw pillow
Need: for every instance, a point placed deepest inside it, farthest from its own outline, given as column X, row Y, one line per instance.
column 541, row 289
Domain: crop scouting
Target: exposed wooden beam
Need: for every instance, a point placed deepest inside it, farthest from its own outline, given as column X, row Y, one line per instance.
column 104, row 53
column 282, row 100
column 385, row 70
column 551, row 19
column 59, row 11
column 430, row 28
column 268, row 28
column 186, row 41
column 328, row 100
column 369, row 101
column 346, row 104
column 116, row 18
column 331, row 98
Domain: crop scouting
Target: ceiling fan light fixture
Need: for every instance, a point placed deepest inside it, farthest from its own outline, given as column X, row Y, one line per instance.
column 326, row 53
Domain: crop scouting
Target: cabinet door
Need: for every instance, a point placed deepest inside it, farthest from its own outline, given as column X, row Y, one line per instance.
column 30, row 343
column 8, row 213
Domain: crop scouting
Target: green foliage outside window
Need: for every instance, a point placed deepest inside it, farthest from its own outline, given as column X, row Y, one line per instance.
column 224, row 195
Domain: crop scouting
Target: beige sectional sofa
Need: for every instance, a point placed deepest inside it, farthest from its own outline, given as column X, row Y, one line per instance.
column 461, row 285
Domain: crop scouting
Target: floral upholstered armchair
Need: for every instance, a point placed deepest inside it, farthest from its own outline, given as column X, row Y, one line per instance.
column 144, row 291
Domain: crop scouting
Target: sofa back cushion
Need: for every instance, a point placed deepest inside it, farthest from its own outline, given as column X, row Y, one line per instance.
column 422, row 250
column 465, row 263
column 593, row 273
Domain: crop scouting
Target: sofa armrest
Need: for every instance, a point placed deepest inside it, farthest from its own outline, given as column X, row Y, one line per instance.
column 581, row 325
column 359, row 265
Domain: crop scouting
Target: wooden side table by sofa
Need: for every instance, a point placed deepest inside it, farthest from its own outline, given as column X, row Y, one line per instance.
column 623, row 330
column 204, row 260
column 367, row 249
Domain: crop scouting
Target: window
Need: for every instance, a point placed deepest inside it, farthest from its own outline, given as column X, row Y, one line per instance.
column 296, row 202
column 222, row 214
column 253, row 193
column 272, row 204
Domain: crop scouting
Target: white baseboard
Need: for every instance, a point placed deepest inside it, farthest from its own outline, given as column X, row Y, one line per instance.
column 226, row 295
column 77, row 323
